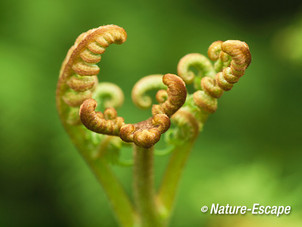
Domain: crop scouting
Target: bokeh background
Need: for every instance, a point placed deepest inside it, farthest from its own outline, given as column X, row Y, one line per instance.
column 250, row 150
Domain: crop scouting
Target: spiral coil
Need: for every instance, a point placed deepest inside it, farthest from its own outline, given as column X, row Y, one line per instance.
column 232, row 58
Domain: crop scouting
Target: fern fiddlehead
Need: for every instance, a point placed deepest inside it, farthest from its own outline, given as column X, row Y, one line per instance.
column 211, row 80
column 232, row 58
column 78, row 82
column 213, row 88
column 78, row 75
column 78, row 93
column 146, row 133
column 100, row 135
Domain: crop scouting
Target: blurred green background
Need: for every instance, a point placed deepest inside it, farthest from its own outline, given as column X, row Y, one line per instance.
column 249, row 151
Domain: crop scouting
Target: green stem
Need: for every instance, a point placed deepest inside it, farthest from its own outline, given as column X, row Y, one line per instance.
column 144, row 187
column 172, row 175
column 118, row 199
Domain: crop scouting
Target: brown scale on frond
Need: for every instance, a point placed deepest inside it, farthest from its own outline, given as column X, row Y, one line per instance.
column 177, row 94
column 82, row 83
column 146, row 133
column 108, row 123
column 241, row 56
column 214, row 50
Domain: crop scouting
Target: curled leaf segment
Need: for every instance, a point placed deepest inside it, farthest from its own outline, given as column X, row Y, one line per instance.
column 146, row 133
column 78, row 91
column 231, row 58
column 210, row 81
column 78, row 81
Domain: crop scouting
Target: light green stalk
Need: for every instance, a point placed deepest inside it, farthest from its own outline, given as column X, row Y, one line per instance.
column 144, row 187
column 168, row 189
column 117, row 197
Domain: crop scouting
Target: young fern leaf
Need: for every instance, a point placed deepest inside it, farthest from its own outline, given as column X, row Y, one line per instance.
column 78, row 93
column 232, row 58
column 146, row 133
column 231, row 72
column 181, row 118
column 78, row 82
